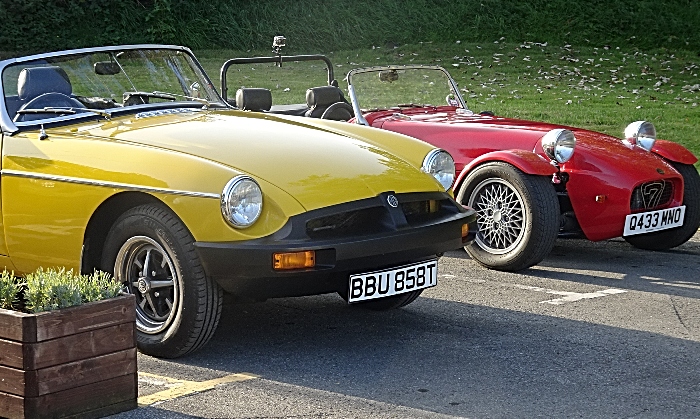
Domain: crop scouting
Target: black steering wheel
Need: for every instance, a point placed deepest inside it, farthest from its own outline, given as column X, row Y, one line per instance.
column 46, row 100
column 338, row 111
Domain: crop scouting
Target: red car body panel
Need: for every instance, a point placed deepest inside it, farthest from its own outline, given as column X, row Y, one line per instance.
column 602, row 173
column 674, row 152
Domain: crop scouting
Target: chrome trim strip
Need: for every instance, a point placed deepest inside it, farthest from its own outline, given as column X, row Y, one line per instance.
column 69, row 179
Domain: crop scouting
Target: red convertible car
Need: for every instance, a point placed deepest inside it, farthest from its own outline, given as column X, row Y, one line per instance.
column 530, row 182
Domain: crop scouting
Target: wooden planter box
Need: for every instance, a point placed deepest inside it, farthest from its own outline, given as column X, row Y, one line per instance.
column 74, row 362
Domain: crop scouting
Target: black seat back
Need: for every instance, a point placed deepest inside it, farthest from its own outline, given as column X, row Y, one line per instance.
column 320, row 98
column 36, row 81
column 254, row 99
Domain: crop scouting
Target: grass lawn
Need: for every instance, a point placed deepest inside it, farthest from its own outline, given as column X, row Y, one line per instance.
column 593, row 86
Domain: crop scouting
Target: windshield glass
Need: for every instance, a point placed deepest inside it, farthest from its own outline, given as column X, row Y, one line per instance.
column 388, row 88
column 287, row 83
column 107, row 80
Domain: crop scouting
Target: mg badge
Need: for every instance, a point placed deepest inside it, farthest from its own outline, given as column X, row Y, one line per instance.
column 143, row 286
column 393, row 201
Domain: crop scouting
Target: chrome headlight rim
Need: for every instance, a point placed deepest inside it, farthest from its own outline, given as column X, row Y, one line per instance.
column 559, row 145
column 440, row 164
column 233, row 188
column 641, row 134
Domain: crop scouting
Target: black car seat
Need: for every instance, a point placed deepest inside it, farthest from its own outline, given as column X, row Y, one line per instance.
column 320, row 99
column 44, row 87
column 254, row 99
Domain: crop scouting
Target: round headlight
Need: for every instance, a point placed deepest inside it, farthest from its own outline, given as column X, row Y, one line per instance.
column 641, row 133
column 440, row 164
column 559, row 144
column 241, row 201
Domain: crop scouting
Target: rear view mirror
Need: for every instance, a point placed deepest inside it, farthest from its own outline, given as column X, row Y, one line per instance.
column 389, row 75
column 107, row 68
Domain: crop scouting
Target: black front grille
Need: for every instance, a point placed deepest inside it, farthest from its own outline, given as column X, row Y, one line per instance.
column 359, row 222
column 413, row 210
column 417, row 212
column 651, row 195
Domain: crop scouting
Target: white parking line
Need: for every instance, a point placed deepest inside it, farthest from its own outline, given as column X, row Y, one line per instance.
column 679, row 284
column 576, row 296
column 586, row 272
column 567, row 296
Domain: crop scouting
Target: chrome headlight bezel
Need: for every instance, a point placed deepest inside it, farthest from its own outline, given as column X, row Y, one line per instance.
column 241, row 201
column 642, row 134
column 440, row 164
column 559, row 144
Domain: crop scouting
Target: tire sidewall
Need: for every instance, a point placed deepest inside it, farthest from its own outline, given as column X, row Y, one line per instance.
column 504, row 173
column 540, row 230
column 140, row 223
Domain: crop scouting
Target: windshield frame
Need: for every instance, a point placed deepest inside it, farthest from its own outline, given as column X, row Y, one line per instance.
column 360, row 119
column 9, row 127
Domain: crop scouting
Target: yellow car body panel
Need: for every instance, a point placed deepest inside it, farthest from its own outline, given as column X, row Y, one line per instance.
column 317, row 166
column 52, row 186
column 125, row 159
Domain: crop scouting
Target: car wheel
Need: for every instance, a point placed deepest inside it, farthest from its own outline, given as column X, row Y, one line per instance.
column 388, row 303
column 666, row 239
column 517, row 216
column 151, row 252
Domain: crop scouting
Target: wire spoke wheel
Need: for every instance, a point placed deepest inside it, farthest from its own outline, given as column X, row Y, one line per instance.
column 517, row 216
column 147, row 271
column 501, row 215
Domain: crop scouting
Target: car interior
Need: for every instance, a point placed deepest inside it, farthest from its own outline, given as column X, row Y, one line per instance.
column 325, row 102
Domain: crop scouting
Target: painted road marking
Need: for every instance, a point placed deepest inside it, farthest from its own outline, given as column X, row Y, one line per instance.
column 567, row 296
column 582, row 272
column 178, row 388
column 576, row 296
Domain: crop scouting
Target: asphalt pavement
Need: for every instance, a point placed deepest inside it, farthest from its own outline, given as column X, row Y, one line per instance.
column 595, row 330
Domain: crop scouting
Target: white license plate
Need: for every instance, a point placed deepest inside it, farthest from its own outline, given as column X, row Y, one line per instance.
column 647, row 222
column 393, row 281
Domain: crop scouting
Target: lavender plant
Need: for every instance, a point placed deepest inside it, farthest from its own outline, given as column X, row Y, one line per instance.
column 53, row 289
column 9, row 290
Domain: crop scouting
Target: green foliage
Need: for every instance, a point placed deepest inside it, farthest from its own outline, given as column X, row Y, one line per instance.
column 330, row 25
column 9, row 290
column 54, row 289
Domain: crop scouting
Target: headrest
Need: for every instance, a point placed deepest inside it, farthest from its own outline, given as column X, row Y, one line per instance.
column 323, row 96
column 35, row 81
column 254, row 99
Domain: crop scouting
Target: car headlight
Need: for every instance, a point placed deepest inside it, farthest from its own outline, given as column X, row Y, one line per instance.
column 559, row 144
column 241, row 201
column 641, row 133
column 440, row 164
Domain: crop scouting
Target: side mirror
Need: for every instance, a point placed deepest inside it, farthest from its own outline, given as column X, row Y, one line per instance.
column 107, row 68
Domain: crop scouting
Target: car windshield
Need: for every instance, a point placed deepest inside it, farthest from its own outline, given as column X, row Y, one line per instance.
column 104, row 81
column 389, row 87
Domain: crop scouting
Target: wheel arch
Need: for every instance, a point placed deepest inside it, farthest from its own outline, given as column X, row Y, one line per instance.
column 526, row 161
column 102, row 221
column 674, row 152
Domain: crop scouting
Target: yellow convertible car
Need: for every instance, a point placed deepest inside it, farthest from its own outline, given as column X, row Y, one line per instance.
column 126, row 159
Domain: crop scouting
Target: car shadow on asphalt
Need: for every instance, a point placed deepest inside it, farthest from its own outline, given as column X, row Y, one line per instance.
column 449, row 357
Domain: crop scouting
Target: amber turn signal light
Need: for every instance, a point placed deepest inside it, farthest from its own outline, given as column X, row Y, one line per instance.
column 465, row 231
column 294, row 260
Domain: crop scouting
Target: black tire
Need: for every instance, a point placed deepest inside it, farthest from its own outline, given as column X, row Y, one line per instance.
column 518, row 216
column 174, row 316
column 666, row 239
column 388, row 303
